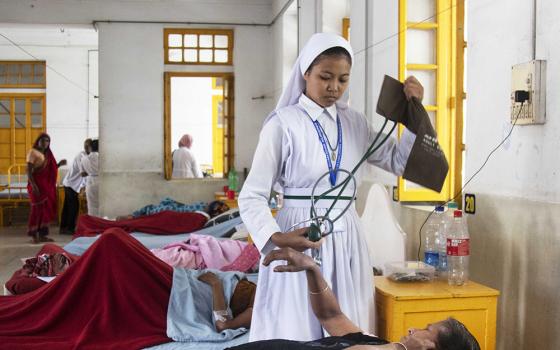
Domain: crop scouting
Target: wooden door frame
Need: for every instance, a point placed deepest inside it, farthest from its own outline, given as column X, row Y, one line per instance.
column 167, row 159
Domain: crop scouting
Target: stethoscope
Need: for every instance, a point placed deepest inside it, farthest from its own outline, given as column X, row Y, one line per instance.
column 322, row 225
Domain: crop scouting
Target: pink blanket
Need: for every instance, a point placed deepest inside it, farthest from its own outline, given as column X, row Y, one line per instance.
column 202, row 251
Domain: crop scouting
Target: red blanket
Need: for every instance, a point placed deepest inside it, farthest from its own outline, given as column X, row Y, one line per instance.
column 114, row 297
column 21, row 281
column 164, row 223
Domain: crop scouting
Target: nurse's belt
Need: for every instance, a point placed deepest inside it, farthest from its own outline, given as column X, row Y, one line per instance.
column 426, row 164
column 301, row 198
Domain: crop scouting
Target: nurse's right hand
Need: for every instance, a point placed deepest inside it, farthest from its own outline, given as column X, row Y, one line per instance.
column 296, row 239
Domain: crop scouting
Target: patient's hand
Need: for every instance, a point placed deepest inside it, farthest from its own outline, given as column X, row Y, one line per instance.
column 296, row 261
column 209, row 278
column 295, row 239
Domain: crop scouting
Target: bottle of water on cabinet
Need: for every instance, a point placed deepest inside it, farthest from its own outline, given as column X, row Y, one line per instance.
column 458, row 250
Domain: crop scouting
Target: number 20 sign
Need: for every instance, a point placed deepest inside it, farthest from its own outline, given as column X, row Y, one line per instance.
column 470, row 203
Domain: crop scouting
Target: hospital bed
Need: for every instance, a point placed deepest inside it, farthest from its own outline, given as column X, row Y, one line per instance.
column 375, row 206
column 13, row 190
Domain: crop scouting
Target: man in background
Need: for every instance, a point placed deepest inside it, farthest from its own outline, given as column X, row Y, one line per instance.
column 73, row 182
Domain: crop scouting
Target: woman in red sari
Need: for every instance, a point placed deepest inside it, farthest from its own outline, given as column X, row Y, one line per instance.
column 42, row 171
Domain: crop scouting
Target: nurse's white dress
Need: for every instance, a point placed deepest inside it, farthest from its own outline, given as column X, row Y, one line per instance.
column 289, row 153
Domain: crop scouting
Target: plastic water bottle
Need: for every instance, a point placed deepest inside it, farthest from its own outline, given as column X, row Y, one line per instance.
column 233, row 179
column 272, row 203
column 432, row 238
column 447, row 220
column 441, row 244
column 458, row 250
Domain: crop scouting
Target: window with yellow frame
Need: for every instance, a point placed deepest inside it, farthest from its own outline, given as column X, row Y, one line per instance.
column 198, row 46
column 23, row 74
column 22, row 119
column 431, row 45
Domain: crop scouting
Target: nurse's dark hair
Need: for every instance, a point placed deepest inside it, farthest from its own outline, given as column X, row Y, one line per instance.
column 337, row 51
column 455, row 336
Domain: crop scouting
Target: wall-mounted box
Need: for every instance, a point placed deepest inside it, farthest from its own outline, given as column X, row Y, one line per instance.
column 529, row 77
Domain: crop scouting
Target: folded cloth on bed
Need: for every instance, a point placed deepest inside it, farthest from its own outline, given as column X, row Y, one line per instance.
column 163, row 223
column 189, row 315
column 24, row 280
column 114, row 297
column 200, row 252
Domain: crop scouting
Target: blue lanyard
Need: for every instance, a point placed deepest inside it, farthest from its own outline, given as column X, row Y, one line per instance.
column 333, row 173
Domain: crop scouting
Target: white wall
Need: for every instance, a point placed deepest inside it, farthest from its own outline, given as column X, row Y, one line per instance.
column 285, row 46
column 530, row 157
column 87, row 11
column 65, row 50
column 333, row 13
column 373, row 26
column 515, row 229
column 131, row 109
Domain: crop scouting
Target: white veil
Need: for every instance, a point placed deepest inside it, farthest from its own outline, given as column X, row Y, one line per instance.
column 318, row 43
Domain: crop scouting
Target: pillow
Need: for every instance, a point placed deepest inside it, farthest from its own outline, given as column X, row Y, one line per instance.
column 223, row 217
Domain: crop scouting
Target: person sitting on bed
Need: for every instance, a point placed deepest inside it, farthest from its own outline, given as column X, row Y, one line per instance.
column 119, row 295
column 448, row 334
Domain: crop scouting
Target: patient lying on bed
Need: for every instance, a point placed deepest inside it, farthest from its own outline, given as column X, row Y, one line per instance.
column 448, row 334
column 119, row 295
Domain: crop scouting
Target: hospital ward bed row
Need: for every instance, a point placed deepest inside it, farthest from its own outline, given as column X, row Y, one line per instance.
column 376, row 206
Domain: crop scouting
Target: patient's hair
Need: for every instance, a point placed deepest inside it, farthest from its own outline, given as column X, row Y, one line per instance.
column 455, row 337
column 215, row 208
column 243, row 297
column 337, row 51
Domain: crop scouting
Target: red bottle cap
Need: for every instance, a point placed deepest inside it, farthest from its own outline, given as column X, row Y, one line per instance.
column 457, row 214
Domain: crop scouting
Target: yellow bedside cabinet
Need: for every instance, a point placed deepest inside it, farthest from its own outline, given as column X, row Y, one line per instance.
column 405, row 305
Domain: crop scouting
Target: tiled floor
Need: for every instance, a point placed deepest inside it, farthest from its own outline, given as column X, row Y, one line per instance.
column 14, row 245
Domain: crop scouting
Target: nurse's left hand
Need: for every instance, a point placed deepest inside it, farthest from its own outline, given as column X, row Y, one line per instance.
column 413, row 88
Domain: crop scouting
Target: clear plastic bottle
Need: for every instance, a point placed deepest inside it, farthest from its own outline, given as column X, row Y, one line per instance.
column 441, row 244
column 432, row 238
column 458, row 250
column 447, row 220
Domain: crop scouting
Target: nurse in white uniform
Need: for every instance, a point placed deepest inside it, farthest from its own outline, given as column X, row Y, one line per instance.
column 311, row 131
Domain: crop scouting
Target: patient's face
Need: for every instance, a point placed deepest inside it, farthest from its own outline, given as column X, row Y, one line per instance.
column 429, row 333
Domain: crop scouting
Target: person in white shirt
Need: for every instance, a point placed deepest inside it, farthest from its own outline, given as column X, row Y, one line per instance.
column 301, row 140
column 184, row 162
column 90, row 166
column 73, row 182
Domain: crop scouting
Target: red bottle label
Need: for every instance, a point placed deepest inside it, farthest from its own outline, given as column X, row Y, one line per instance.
column 458, row 247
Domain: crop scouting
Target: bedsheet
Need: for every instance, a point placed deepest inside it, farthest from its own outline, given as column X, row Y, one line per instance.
column 242, row 339
column 79, row 245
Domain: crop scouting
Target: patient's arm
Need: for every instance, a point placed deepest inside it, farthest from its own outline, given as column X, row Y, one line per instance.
column 219, row 304
column 324, row 303
column 218, row 299
column 242, row 320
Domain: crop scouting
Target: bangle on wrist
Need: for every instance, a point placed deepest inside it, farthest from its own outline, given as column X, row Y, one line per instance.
column 319, row 292
column 401, row 346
